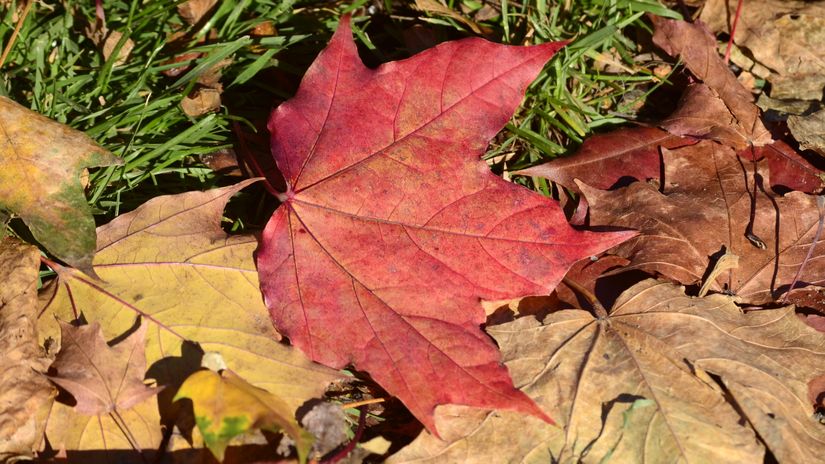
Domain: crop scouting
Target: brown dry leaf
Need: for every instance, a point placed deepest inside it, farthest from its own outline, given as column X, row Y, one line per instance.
column 25, row 395
column 40, row 165
column 170, row 262
column 201, row 101
column 101, row 378
column 110, row 44
column 107, row 41
column 192, row 11
column 705, row 205
column 697, row 48
column 211, row 77
column 604, row 159
column 783, row 35
column 223, row 161
column 634, row 386
column 809, row 131
column 702, row 114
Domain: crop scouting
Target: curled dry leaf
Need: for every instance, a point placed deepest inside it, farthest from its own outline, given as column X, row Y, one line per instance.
column 101, row 378
column 678, row 238
column 25, row 395
column 170, row 262
column 392, row 228
column 697, row 48
column 703, row 115
column 40, row 165
column 633, row 387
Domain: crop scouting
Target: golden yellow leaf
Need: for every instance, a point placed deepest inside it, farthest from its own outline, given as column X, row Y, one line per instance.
column 226, row 406
column 195, row 287
column 110, row 438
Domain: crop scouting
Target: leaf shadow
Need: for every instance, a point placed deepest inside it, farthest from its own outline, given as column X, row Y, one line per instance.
column 607, row 408
column 170, row 372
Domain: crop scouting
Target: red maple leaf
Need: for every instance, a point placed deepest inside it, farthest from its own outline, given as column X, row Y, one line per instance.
column 393, row 229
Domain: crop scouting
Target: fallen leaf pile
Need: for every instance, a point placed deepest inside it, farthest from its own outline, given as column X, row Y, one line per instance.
column 398, row 275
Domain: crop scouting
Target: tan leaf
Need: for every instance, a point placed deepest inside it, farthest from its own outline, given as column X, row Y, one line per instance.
column 201, row 101
column 783, row 35
column 25, row 395
column 40, row 165
column 631, row 387
column 110, row 44
column 809, row 131
column 101, row 378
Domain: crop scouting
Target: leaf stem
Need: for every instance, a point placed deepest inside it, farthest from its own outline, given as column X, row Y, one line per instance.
column 51, row 264
column 733, row 30
column 362, row 422
column 358, row 404
column 247, row 154
column 588, row 295
column 124, row 428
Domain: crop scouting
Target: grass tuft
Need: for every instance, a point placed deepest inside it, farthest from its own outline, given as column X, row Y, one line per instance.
column 133, row 108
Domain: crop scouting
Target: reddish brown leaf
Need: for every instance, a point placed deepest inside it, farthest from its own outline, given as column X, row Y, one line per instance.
column 392, row 228
column 604, row 159
column 706, row 205
column 101, row 378
column 788, row 168
column 816, row 392
column 697, row 48
column 702, row 114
